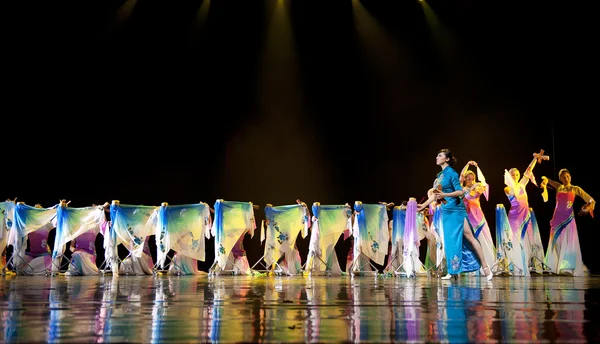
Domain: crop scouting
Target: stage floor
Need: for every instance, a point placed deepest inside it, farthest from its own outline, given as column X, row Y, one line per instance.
column 298, row 309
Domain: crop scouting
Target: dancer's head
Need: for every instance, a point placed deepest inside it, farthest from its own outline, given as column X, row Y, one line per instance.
column 445, row 156
column 468, row 178
column 515, row 174
column 565, row 176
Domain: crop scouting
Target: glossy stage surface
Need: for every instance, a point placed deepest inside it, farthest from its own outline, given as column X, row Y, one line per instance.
column 298, row 309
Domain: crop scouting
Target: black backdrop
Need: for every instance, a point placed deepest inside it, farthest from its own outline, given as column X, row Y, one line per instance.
column 268, row 101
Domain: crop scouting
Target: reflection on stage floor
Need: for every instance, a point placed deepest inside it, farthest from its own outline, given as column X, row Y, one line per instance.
column 298, row 309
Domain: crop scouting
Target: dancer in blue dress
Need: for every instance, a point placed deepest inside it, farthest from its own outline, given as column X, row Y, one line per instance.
column 461, row 256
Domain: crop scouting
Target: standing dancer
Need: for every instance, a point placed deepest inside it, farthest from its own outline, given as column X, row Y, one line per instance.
column 473, row 191
column 564, row 253
column 461, row 256
column 519, row 215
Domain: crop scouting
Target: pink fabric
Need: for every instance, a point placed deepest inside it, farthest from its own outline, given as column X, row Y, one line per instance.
column 86, row 242
column 146, row 249
column 519, row 210
column 473, row 206
column 47, row 259
column 238, row 249
column 563, row 209
column 38, row 242
column 410, row 224
column 103, row 227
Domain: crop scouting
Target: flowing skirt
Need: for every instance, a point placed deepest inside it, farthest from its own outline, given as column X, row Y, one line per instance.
column 564, row 253
column 237, row 264
column 30, row 265
column 184, row 265
column 291, row 263
column 481, row 232
column 511, row 257
column 137, row 266
column 82, row 264
column 315, row 262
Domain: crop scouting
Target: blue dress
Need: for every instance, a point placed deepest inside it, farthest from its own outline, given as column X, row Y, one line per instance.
column 459, row 255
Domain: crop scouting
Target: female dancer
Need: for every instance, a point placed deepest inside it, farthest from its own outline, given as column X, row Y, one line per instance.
column 143, row 265
column 519, row 215
column 473, row 191
column 455, row 223
column 39, row 257
column 83, row 259
column 563, row 255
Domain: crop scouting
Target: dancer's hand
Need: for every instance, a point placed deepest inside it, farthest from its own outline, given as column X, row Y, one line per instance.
column 585, row 210
column 438, row 194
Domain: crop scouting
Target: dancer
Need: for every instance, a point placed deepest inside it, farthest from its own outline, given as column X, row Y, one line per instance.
column 448, row 191
column 139, row 266
column 519, row 215
column 39, row 257
column 80, row 227
column 563, row 255
column 83, row 257
column 238, row 261
column 328, row 223
column 473, row 191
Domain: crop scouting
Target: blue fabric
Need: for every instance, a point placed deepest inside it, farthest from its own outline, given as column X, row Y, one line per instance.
column 219, row 221
column 128, row 224
column 315, row 209
column 501, row 226
column 181, row 228
column 73, row 222
column 459, row 254
column 399, row 216
column 232, row 220
column 6, row 216
column 361, row 218
column 372, row 238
